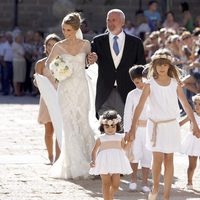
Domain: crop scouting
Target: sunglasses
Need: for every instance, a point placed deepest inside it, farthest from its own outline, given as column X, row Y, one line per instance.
column 185, row 38
column 108, row 126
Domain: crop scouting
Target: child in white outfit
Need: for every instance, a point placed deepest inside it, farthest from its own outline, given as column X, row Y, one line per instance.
column 191, row 144
column 139, row 150
column 163, row 130
column 108, row 157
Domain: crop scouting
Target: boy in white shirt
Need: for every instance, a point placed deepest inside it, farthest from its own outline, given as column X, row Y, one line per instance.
column 139, row 151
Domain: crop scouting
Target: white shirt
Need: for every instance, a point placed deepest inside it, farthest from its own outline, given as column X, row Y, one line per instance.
column 120, row 41
column 18, row 51
column 132, row 101
column 6, row 52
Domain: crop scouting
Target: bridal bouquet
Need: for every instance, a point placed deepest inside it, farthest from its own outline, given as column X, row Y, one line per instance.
column 60, row 69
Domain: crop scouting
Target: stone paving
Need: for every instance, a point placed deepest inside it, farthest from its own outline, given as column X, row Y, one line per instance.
column 23, row 169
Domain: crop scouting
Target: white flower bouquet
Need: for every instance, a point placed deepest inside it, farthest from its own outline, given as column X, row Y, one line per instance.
column 60, row 69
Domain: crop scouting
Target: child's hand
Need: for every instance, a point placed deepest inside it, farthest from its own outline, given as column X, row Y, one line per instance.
column 92, row 163
column 126, row 137
column 131, row 136
column 195, row 131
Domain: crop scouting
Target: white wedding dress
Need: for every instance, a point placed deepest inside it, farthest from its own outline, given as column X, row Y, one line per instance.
column 77, row 135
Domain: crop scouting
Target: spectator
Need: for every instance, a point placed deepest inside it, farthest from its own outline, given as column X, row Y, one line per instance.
column 28, row 46
column 19, row 65
column 153, row 16
column 170, row 21
column 6, row 60
column 129, row 28
column 188, row 22
column 142, row 26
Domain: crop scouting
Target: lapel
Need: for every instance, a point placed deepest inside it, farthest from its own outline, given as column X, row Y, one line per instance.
column 125, row 51
column 107, row 48
column 107, row 45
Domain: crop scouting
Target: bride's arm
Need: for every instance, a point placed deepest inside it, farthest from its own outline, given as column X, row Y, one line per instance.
column 91, row 56
column 53, row 54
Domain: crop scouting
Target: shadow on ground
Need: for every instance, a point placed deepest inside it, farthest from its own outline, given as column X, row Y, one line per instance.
column 10, row 99
column 93, row 188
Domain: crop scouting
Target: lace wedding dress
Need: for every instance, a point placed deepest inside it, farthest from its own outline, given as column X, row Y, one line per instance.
column 77, row 135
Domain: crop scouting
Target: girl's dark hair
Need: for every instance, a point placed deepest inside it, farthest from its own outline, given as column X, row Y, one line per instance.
column 136, row 72
column 110, row 115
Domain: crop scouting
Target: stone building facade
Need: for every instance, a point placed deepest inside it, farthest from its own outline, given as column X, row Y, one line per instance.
column 46, row 15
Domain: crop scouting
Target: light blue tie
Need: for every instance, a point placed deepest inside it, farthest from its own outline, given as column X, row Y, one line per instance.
column 115, row 45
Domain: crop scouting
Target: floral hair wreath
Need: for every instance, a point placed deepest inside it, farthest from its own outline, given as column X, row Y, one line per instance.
column 165, row 56
column 110, row 121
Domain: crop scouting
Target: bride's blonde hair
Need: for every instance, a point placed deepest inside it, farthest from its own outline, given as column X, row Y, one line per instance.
column 73, row 19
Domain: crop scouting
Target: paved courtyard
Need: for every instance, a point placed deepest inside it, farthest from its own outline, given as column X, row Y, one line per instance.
column 23, row 169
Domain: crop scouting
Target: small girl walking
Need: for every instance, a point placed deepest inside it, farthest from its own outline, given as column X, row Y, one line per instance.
column 108, row 157
column 191, row 144
column 163, row 130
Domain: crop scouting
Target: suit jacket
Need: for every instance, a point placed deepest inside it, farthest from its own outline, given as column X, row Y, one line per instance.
column 133, row 53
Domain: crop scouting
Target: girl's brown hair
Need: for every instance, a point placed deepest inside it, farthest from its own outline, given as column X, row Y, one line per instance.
column 160, row 57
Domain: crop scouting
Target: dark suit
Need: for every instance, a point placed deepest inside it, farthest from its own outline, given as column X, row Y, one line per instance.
column 133, row 53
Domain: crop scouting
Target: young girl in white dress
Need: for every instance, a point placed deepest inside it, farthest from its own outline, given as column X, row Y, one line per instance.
column 191, row 144
column 108, row 157
column 163, row 130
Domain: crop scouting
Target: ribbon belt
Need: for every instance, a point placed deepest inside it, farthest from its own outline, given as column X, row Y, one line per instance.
column 142, row 123
column 154, row 133
column 110, row 145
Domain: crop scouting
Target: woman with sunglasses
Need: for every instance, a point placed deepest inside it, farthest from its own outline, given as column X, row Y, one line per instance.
column 111, row 160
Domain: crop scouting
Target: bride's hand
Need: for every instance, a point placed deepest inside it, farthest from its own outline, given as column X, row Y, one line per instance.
column 91, row 58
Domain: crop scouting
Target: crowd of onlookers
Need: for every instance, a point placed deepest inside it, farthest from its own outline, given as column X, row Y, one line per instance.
column 18, row 54
column 19, row 51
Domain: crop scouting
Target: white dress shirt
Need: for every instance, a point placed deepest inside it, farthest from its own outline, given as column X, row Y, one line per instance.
column 120, row 41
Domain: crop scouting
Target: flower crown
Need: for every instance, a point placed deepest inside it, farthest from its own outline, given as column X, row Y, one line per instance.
column 110, row 121
column 165, row 56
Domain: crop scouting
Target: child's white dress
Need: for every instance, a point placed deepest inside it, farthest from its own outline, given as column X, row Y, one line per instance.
column 191, row 144
column 111, row 158
column 163, row 130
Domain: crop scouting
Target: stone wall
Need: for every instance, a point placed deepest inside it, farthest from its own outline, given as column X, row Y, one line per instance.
column 46, row 15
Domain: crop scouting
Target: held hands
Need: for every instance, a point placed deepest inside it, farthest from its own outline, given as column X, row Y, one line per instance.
column 130, row 136
column 196, row 131
column 92, row 163
column 91, row 58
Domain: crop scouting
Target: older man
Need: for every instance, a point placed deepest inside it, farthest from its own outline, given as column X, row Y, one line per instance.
column 117, row 52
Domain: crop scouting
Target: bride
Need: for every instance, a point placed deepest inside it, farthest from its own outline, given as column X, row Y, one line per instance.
column 73, row 99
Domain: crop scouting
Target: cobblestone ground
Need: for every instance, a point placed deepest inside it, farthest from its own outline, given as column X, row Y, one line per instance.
column 23, row 172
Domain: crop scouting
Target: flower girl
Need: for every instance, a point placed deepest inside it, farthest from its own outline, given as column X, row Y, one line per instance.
column 191, row 144
column 108, row 157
